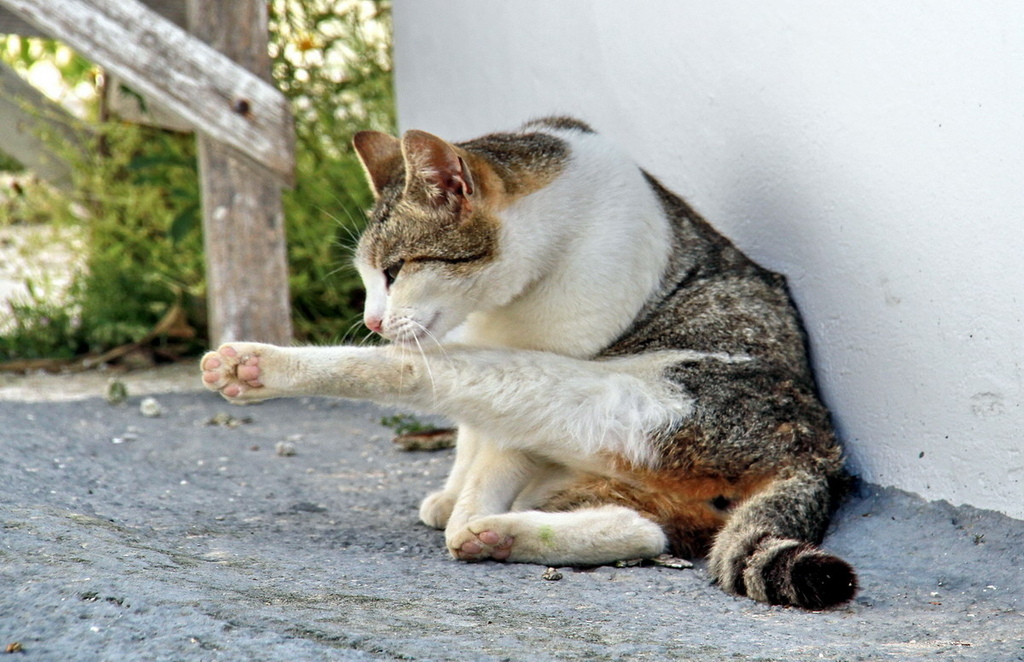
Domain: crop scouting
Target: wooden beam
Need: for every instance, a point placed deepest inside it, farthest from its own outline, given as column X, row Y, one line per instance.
column 172, row 10
column 165, row 64
column 243, row 219
column 25, row 111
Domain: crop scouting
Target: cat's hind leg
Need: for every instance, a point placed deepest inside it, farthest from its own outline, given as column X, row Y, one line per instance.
column 589, row 536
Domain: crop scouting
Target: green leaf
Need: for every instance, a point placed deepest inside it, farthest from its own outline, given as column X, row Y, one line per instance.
column 184, row 223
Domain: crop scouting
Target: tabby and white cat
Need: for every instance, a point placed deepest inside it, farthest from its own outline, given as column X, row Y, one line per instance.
column 625, row 380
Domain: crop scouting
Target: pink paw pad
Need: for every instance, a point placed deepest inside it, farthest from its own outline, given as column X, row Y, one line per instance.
column 488, row 544
column 249, row 371
column 231, row 373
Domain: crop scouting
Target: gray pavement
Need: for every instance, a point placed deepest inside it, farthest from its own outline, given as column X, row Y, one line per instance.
column 131, row 538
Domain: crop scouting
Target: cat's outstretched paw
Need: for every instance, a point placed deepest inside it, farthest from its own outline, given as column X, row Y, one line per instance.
column 234, row 371
column 469, row 546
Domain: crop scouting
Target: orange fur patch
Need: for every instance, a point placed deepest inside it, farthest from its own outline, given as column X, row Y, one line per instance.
column 495, row 190
column 689, row 508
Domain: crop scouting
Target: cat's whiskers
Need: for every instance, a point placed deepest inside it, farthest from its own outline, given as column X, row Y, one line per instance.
column 353, row 330
column 433, row 338
column 401, row 375
column 344, row 265
column 352, row 230
column 352, row 223
column 426, row 363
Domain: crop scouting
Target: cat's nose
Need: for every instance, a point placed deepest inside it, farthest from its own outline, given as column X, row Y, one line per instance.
column 374, row 324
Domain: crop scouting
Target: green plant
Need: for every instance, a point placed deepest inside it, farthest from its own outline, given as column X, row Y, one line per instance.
column 39, row 328
column 144, row 242
column 9, row 163
column 405, row 424
column 134, row 189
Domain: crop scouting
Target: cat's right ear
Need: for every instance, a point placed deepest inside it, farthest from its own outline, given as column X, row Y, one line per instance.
column 381, row 156
column 434, row 170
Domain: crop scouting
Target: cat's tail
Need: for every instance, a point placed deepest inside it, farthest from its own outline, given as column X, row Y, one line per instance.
column 766, row 550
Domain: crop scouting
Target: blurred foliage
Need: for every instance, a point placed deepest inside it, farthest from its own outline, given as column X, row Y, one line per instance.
column 39, row 328
column 136, row 199
column 9, row 163
column 333, row 61
column 131, row 186
column 60, row 73
column 406, row 424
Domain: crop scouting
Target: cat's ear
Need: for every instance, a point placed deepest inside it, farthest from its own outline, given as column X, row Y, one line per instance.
column 381, row 156
column 434, row 170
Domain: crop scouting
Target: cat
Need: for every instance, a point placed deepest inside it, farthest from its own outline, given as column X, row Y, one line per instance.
column 626, row 381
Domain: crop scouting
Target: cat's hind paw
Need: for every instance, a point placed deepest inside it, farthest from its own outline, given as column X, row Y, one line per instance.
column 469, row 546
column 234, row 371
column 589, row 536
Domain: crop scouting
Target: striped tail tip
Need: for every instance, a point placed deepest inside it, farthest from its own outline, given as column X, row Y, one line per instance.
column 822, row 581
column 789, row 572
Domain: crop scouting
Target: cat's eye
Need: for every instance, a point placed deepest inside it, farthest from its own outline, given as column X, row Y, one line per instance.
column 391, row 273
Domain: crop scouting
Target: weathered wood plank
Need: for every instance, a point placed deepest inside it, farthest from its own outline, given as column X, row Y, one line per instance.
column 172, row 10
column 165, row 64
column 18, row 127
column 243, row 220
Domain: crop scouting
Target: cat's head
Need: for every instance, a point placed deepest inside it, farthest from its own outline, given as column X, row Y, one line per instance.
column 428, row 255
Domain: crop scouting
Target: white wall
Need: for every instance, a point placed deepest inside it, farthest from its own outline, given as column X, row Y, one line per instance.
column 873, row 151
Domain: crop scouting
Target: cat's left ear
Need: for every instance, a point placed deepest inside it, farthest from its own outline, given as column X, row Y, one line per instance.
column 434, row 170
column 381, row 156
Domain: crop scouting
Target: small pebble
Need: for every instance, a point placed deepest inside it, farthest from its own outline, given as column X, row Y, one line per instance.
column 285, row 448
column 669, row 561
column 551, row 574
column 117, row 392
column 662, row 560
column 225, row 420
column 130, row 435
column 150, row 408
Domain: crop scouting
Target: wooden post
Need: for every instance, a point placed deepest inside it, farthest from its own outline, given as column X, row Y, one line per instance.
column 243, row 219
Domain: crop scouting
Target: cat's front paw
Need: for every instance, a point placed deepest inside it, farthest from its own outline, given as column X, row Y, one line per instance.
column 436, row 509
column 469, row 546
column 235, row 372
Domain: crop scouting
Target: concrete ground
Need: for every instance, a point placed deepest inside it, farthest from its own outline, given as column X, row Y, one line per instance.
column 189, row 537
